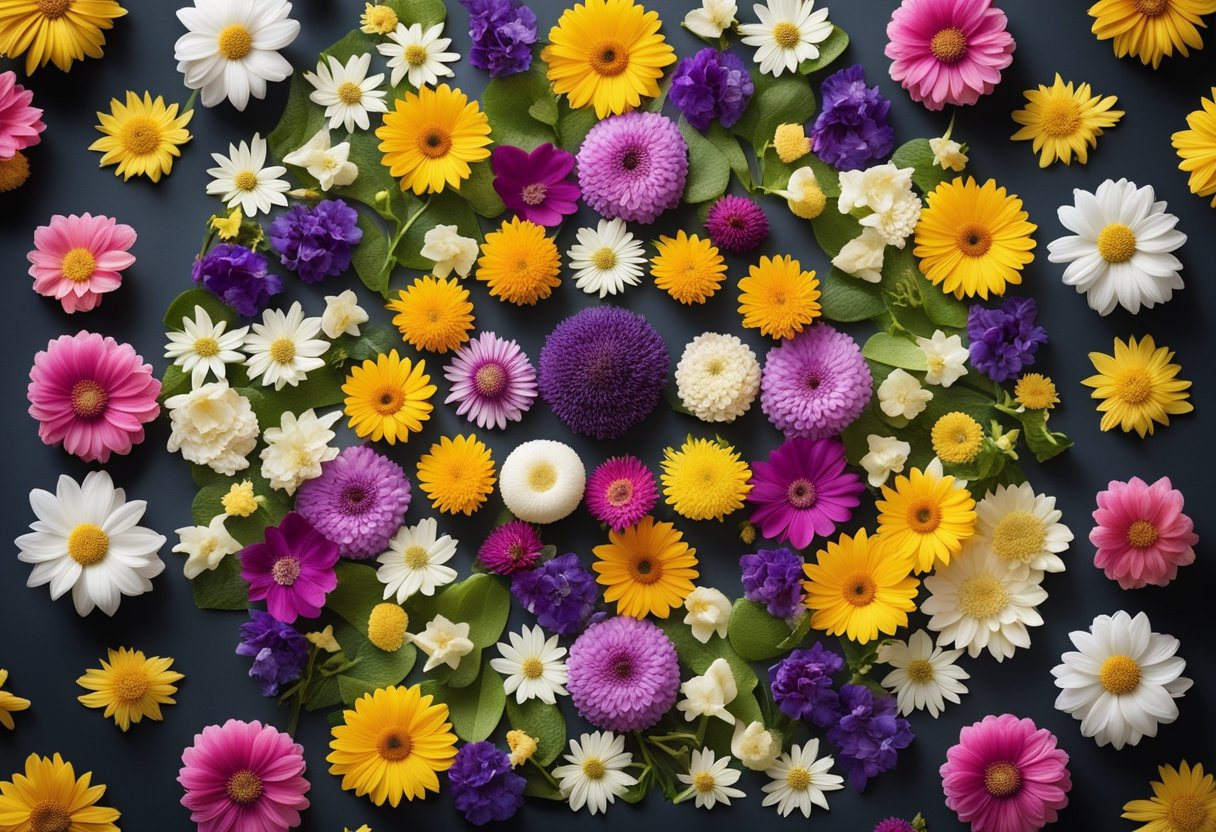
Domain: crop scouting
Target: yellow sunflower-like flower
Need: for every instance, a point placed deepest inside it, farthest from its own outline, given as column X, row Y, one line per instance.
column 1035, row 391
column 55, row 31
column 858, row 587
column 519, row 263
column 925, row 517
column 647, row 569
column 1150, row 29
column 9, row 703
column 392, row 745
column 778, row 298
column 1063, row 121
column 141, row 136
column 972, row 239
column 1196, row 148
column 607, row 54
column 433, row 315
column 14, row 171
column 704, row 480
column 957, row 438
column 687, row 268
column 388, row 398
column 1184, row 800
column 430, row 138
column 1137, row 387
column 457, row 474
column 130, row 686
column 50, row 796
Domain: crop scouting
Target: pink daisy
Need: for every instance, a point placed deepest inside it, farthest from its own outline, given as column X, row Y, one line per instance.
column 803, row 490
column 93, row 395
column 621, row 492
column 244, row 777
column 1142, row 535
column 76, row 260
column 292, row 570
column 948, row 51
column 1006, row 775
column 492, row 380
column 20, row 123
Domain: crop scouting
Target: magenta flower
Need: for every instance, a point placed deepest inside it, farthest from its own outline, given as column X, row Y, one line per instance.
column 621, row 492
column 1142, row 535
column 803, row 490
column 736, row 224
column 20, row 123
column 77, row 259
column 534, row 185
column 292, row 571
column 623, row 674
column 492, row 380
column 513, row 546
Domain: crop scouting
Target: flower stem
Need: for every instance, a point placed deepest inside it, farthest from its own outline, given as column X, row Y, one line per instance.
column 298, row 702
column 391, row 256
column 546, row 774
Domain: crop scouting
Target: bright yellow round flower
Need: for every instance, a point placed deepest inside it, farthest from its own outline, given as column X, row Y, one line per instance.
column 687, row 268
column 130, row 686
column 1184, row 800
column 9, row 703
column 972, row 239
column 1196, row 148
column 386, row 626
column 392, row 745
column 430, row 138
column 388, row 398
column 704, row 480
column 957, row 438
column 778, row 298
column 141, row 136
column 433, row 315
column 647, row 569
column 49, row 796
column 519, row 263
column 607, row 54
column 925, row 517
column 1150, row 29
column 1035, row 391
column 55, row 31
column 791, row 142
column 14, row 172
column 858, row 587
column 1062, row 121
column 377, row 19
column 1138, row 388
column 457, row 474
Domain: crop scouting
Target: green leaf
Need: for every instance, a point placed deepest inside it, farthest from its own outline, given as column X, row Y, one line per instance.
column 754, row 634
column 918, row 155
column 708, row 169
column 728, row 145
column 895, row 351
column 786, row 99
column 480, row 600
column 446, row 208
column 544, row 110
column 183, row 307
column 221, row 588
column 900, row 268
column 370, row 342
column 541, row 721
column 475, row 710
column 371, row 664
column 478, row 191
column 370, row 255
column 1042, row 441
column 539, row 785
column 300, row 121
column 508, row 103
column 697, row 657
column 354, row 42
column 829, row 50
column 321, row 390
column 942, row 309
column 846, row 299
column 424, row 12
column 351, row 689
column 833, row 230
column 173, row 382
column 573, row 125
column 374, row 178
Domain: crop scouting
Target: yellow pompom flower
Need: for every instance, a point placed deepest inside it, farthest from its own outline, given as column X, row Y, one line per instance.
column 388, row 398
column 1150, row 29
column 9, row 703
column 957, row 438
column 522, row 747
column 55, row 31
column 141, row 136
column 433, row 315
column 50, row 796
column 646, row 568
column 1035, row 391
column 130, row 686
column 14, row 172
column 430, row 138
column 704, row 480
column 386, row 626
column 791, row 142
column 377, row 19
column 688, row 268
column 240, row 500
column 1196, row 148
column 519, row 263
column 1063, row 122
column 778, row 297
column 925, row 517
column 858, row 588
column 1137, row 387
column 457, row 474
column 1184, row 800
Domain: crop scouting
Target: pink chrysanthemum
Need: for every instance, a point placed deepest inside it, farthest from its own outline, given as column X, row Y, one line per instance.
column 77, row 259
column 20, row 123
column 1006, row 775
column 621, row 492
column 815, row 384
column 93, row 395
column 511, row 547
column 1142, row 535
column 948, row 51
column 803, row 490
column 623, row 674
column 244, row 777
column 492, row 380
column 736, row 224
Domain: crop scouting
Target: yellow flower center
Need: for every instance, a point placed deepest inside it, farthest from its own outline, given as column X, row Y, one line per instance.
column 1018, row 536
column 534, row 194
column 53, row 9
column 416, row 557
column 924, row 516
column 532, row 668
column 859, row 590
column 387, row 400
column 50, row 816
column 798, row 779
column 89, row 399
column 206, row 347
column 1060, row 118
column 948, row 45
column 434, row 142
column 285, row 571
column 490, row 380
column 415, row 55
column 282, row 350
column 14, row 171
column 604, row 259
column 78, row 265
column 703, row 782
column 130, row 685
column 235, row 42
column 1134, row 386
column 542, row 477
column 974, row 240
column 350, row 93
column 1002, row 779
column 139, row 135
column 982, row 596
column 1187, row 813
column 1116, row 243
column 609, row 59
column 786, row 35
column 1120, row 675
column 920, row 671
column 593, row 768
column 381, row 19
column 1151, row 8
column 246, row 180
column 393, row 745
column 244, row 787
column 644, row 569
column 386, row 627
column 88, row 544
column 619, row 493
column 1141, row 534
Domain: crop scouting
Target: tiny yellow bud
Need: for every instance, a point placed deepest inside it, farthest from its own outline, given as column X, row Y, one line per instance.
column 240, row 500
column 324, row 639
column 522, row 747
column 377, row 19
column 791, row 142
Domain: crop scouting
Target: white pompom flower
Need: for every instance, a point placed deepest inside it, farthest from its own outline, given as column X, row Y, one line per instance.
column 718, row 377
column 542, row 481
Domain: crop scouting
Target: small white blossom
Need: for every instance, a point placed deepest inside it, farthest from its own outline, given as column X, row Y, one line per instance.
column 901, row 396
column 342, row 315
column 708, row 613
column 946, row 358
column 887, row 456
column 444, row 642
column 449, row 250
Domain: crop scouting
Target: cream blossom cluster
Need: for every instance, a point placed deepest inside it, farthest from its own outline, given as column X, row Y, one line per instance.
column 213, row 425
column 296, row 448
column 718, row 377
column 709, row 693
column 708, row 613
column 885, row 191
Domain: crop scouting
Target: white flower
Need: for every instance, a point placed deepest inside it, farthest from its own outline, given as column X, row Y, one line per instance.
column 415, row 561
column 708, row 613
column 243, row 178
column 1123, row 681
column 894, row 220
column 329, row 165
column 900, row 395
column 231, row 48
column 203, row 347
column 862, row 256
column 213, row 425
column 342, row 315
column 788, row 33
column 533, row 666
column 595, row 772
column 296, row 448
column 1119, row 251
column 876, row 188
column 948, row 154
column 925, row 676
column 887, row 456
column 542, row 481
column 710, row 693
column 1023, row 528
column 710, row 780
column 712, row 19
column 283, row 348
column 449, row 250
column 444, row 642
column 346, row 92
column 946, row 358
column 205, row 546
column 606, row 259
column 86, row 539
column 418, row 55
column 755, row 746
column 803, row 194
column 800, row 780
column 718, row 377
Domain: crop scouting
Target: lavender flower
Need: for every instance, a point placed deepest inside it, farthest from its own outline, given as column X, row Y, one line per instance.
column 633, row 166
column 559, row 592
column 358, row 502
column 1004, row 340
column 484, row 787
column 815, row 384
column 773, row 577
column 624, row 674
column 852, row 130
column 316, row 243
column 711, row 85
column 502, row 32
column 867, row 734
column 802, row 685
column 237, row 276
column 278, row 651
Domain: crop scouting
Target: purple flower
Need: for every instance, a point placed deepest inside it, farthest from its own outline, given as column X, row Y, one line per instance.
column 711, row 85
column 534, row 185
column 502, row 32
column 815, row 384
column 894, row 825
column 513, row 546
column 483, row 785
column 852, row 130
column 802, row 685
column 238, row 277
column 292, row 570
column 278, row 650
column 316, row 243
column 633, row 166
column 492, row 380
column 559, row 592
column 803, row 490
column 1004, row 340
column 736, row 224
column 773, row 577
column 867, row 734
column 358, row 502
column 623, row 674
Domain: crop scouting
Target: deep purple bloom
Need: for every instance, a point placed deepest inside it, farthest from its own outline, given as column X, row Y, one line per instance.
column 711, row 85
column 803, row 490
column 802, row 685
column 633, row 166
column 561, row 593
column 292, row 571
column 238, row 276
column 624, row 674
column 852, row 130
column 815, row 384
column 736, row 224
column 894, row 825
column 535, row 185
column 867, row 734
column 483, row 785
column 502, row 32
column 278, row 650
column 773, row 577
column 1004, row 340
column 358, row 502
column 513, row 546
column 316, row 242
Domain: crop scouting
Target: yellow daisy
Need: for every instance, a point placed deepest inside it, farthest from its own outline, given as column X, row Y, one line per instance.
column 957, row 438
column 388, row 398
column 130, row 686
column 48, row 796
column 972, row 239
column 1150, row 29
column 687, row 268
column 704, row 480
column 519, row 263
column 14, row 171
column 1196, row 148
column 377, row 19
column 1184, row 800
column 430, row 138
column 55, row 31
column 607, row 54
column 1035, row 391
column 1062, row 121
column 142, row 136
column 457, row 474
column 858, row 588
column 9, row 703
column 778, row 298
column 1138, row 387
column 926, row 517
column 433, row 315
column 647, row 569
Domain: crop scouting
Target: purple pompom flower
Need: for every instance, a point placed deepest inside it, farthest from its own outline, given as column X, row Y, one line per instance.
column 773, row 577
column 492, row 380
column 805, row 489
column 560, row 592
column 513, row 546
column 534, row 185
column 802, row 685
column 358, row 502
column 623, row 674
column 484, row 787
column 736, row 224
column 278, row 650
column 316, row 242
column 711, row 85
column 237, row 276
column 852, row 130
column 633, row 166
column 621, row 491
column 502, row 32
column 1004, row 340
column 292, row 570
column 868, row 734
column 815, row 384
column 894, row 825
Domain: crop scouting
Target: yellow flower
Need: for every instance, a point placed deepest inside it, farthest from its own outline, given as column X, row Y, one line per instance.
column 1035, row 391
column 430, row 138
column 957, row 438
column 392, row 745
column 1150, row 29
column 240, row 500
column 519, row 263
column 9, row 703
column 747, row 532
column 1138, row 387
column 388, row 398
column 704, row 480
column 522, row 747
column 607, row 54
column 1184, row 800
column 363, row 828
column 778, row 297
column 433, row 315
column 1062, row 121
column 324, row 639
column 142, row 136
column 791, row 142
column 49, row 796
column 647, row 569
column 972, row 239
column 55, row 31
column 925, row 517
column 130, row 686
column 858, row 588
column 377, row 19
column 687, row 268
column 229, row 226
column 1196, row 148
column 457, row 474
column 14, row 171
column 386, row 626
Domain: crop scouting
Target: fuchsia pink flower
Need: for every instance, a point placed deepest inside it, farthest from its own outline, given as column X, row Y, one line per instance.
column 77, row 259
column 1142, row 536
column 621, row 491
column 292, row 570
column 20, row 123
column 803, row 490
column 535, row 185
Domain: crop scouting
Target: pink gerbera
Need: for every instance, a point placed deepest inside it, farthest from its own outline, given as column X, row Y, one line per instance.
column 1006, row 775
column 292, row 570
column 621, row 492
column 20, row 123
column 93, row 395
column 492, row 380
column 1142, row 535
column 244, row 777
column 948, row 51
column 803, row 490
column 77, row 259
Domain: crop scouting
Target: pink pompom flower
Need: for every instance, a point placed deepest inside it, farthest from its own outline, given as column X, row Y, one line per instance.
column 20, row 122
column 77, row 259
column 1142, row 535
column 621, row 491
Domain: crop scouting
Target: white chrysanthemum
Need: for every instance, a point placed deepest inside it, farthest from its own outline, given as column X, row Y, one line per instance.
column 346, row 91
column 606, row 259
column 243, row 178
column 418, row 55
column 533, row 665
column 86, row 540
column 710, row 781
column 925, row 677
column 948, row 154
column 444, row 642
column 594, row 774
column 205, row 546
column 1123, row 681
column 799, row 780
column 876, row 188
column 450, row 251
column 283, row 349
column 708, row 613
column 329, row 165
column 862, row 256
column 1119, row 251
column 542, row 481
column 231, row 48
column 415, row 561
column 887, row 456
column 213, row 425
column 901, row 396
column 945, row 358
column 1023, row 528
column 895, row 220
column 718, row 377
column 343, row 315
column 711, row 19
column 709, row 693
column 755, row 746
column 296, row 448
column 203, row 347
column 789, row 32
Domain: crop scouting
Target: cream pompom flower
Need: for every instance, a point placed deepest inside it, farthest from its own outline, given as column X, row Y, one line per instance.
column 296, row 448
column 213, row 425
column 542, row 481
column 718, row 377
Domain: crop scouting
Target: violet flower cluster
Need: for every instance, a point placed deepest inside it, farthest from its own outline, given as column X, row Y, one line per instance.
column 802, row 685
column 238, row 276
column 502, row 32
column 278, row 651
column 711, row 85
column 1004, row 340
column 484, row 787
column 559, row 592
column 773, row 577
column 852, row 130
column 316, row 242
column 868, row 734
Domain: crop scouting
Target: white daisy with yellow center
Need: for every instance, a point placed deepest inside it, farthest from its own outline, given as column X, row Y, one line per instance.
column 283, row 349
column 789, row 32
column 1023, row 528
column 418, row 55
column 416, row 561
column 799, row 780
column 606, row 259
column 924, row 677
column 203, row 347
column 346, row 91
column 243, row 178
column 594, row 774
column 534, row 666
column 710, row 781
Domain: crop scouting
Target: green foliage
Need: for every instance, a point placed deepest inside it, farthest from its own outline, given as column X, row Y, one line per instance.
column 370, row 257
column 757, row 636
column 475, row 710
column 446, row 208
column 478, row 191
column 846, row 299
column 322, row 389
column 894, row 351
column 833, row 230
column 708, row 170
column 369, row 343
column 374, row 178
column 1043, row 442
column 221, row 588
column 509, row 103
column 829, row 50
column 786, row 99
column 424, row 12
column 357, row 593
column 183, row 307
column 541, row 721
column 573, row 125
column 918, row 155
column 173, row 382
column 300, row 121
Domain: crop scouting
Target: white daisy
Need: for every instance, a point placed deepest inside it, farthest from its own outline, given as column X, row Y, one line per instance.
column 711, row 19
column 1119, row 251
column 1123, row 682
column 710, row 693
column 788, row 33
column 533, row 666
column 86, row 540
column 708, row 613
column 444, row 642
column 296, row 448
column 343, row 315
column 606, row 259
column 415, row 561
column 329, row 165
column 542, row 481
column 887, row 455
column 946, row 358
column 230, row 49
column 205, row 546
column 800, row 780
column 283, row 348
column 709, row 781
column 1023, row 528
column 901, row 396
column 418, row 55
column 595, row 772
column 346, row 91
column 243, row 179
column 202, row 347
column 925, row 676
